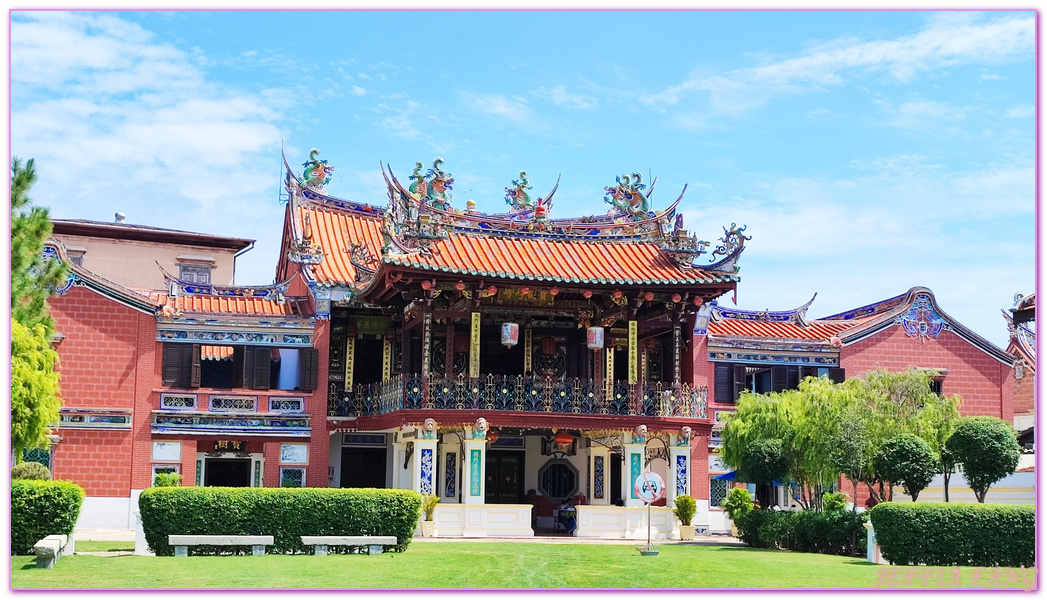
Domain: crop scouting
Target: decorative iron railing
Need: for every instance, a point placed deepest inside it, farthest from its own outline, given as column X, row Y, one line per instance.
column 520, row 394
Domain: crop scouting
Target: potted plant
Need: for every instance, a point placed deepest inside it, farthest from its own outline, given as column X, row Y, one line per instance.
column 685, row 509
column 429, row 502
column 739, row 501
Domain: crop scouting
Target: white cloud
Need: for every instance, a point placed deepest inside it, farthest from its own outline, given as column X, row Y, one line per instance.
column 561, row 97
column 923, row 114
column 515, row 109
column 119, row 121
column 357, row 90
column 1020, row 112
column 952, row 39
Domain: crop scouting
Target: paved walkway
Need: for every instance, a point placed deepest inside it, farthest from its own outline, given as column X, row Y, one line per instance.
column 128, row 535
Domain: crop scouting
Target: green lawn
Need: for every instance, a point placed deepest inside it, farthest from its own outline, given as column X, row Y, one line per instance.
column 105, row 546
column 466, row 565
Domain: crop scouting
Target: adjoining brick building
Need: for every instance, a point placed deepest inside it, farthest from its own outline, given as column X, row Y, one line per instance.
column 503, row 362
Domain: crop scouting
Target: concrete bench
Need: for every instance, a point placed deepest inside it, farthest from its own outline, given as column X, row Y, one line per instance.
column 374, row 543
column 182, row 542
column 49, row 550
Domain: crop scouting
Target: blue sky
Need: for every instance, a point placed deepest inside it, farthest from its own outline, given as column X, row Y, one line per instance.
column 866, row 152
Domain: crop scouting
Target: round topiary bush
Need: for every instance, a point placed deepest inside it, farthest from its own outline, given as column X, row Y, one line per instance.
column 31, row 470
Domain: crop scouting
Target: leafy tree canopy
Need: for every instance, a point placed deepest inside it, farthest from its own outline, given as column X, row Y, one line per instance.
column 907, row 460
column 32, row 276
column 34, row 387
column 986, row 448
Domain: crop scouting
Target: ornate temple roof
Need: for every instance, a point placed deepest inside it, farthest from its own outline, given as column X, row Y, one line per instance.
column 916, row 311
column 346, row 244
column 230, row 305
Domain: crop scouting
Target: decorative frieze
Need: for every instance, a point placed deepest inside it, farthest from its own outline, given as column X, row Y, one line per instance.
column 222, row 403
column 202, row 423
column 90, row 418
column 303, row 339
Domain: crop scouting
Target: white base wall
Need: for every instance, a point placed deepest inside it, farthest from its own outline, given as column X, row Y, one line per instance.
column 626, row 522
column 107, row 513
column 1019, row 488
column 482, row 520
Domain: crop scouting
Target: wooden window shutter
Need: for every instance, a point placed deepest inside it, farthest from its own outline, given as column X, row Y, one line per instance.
column 308, row 368
column 723, row 383
column 238, row 366
column 794, row 378
column 171, row 360
column 194, row 365
column 837, row 375
column 739, row 381
column 779, row 378
column 256, row 367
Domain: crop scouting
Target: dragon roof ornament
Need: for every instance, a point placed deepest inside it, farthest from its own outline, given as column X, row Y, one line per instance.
column 627, row 198
column 317, row 172
column 434, row 187
column 731, row 246
column 176, row 287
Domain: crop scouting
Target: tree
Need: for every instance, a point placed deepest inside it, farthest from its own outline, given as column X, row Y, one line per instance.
column 907, row 460
column 34, row 387
column 33, row 276
column 34, row 381
column 986, row 448
column 764, row 462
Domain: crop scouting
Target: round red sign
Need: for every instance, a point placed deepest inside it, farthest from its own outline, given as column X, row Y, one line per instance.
column 649, row 487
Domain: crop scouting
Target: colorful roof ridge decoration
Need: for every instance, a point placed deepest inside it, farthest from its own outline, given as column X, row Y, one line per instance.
column 419, row 230
column 180, row 306
column 81, row 277
column 1022, row 335
column 915, row 311
column 177, row 288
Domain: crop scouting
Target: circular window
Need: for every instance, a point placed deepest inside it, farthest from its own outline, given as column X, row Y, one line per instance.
column 558, row 480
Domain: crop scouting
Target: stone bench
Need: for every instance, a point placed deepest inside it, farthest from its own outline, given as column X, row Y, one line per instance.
column 374, row 543
column 49, row 549
column 182, row 542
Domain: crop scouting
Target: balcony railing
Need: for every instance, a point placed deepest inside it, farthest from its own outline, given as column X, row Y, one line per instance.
column 520, row 394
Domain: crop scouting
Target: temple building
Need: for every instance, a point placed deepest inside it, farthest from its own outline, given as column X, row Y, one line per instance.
column 504, row 362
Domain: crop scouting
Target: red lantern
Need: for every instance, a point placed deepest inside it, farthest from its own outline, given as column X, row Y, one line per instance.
column 587, row 294
column 698, row 301
column 459, row 286
column 427, row 285
column 492, row 436
column 554, row 291
column 525, row 290
column 492, row 291
column 677, row 297
column 618, row 293
column 648, row 296
column 563, row 438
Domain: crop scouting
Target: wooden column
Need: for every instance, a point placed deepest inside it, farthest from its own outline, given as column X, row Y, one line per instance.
column 449, row 351
column 676, row 354
column 474, row 345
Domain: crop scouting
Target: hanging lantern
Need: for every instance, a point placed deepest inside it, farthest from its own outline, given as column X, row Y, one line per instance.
column 525, row 290
column 492, row 291
column 510, row 334
column 492, row 436
column 460, row 285
column 648, row 296
column 587, row 294
column 698, row 301
column 554, row 291
column 617, row 293
column 677, row 297
column 427, row 285
column 594, row 338
column 563, row 438
column 548, row 346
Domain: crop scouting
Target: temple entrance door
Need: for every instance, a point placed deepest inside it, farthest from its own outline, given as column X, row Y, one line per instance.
column 616, row 478
column 504, row 477
column 227, row 472
column 363, row 468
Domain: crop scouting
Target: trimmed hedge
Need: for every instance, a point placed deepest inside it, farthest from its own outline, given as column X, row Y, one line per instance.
column 831, row 532
column 284, row 513
column 946, row 534
column 40, row 509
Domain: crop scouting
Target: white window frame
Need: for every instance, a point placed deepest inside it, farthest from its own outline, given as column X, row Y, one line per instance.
column 286, row 469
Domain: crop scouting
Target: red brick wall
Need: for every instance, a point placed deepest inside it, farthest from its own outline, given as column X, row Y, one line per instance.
column 316, row 405
column 976, row 376
column 700, row 468
column 97, row 459
column 104, row 364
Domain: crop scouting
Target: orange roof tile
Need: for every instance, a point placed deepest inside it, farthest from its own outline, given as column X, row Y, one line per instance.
column 566, row 261
column 232, row 305
column 216, row 352
column 816, row 330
